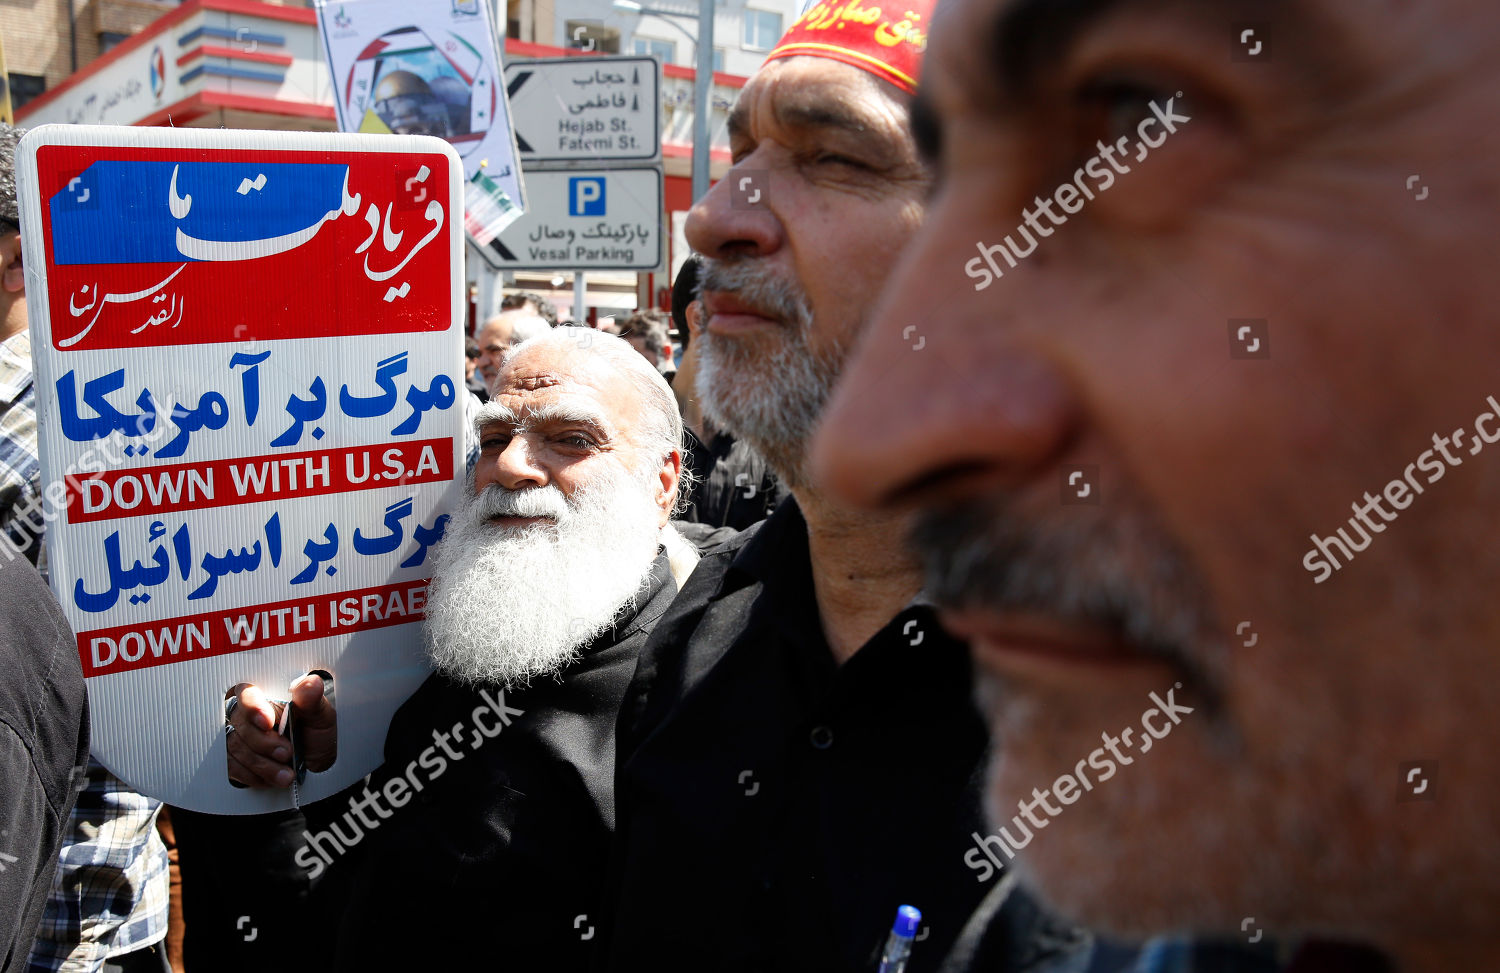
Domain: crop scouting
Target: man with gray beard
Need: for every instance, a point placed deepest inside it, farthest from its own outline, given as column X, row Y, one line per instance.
column 1118, row 506
column 546, row 585
column 798, row 752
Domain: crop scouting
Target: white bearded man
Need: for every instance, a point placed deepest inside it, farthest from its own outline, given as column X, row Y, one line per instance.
column 549, row 578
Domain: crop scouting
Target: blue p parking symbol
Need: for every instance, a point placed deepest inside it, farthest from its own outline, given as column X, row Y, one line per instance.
column 585, row 196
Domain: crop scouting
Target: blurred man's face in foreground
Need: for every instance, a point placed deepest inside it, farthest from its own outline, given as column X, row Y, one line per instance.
column 1132, row 448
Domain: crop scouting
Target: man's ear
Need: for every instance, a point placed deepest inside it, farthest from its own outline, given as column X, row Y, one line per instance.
column 693, row 314
column 12, row 274
column 671, row 474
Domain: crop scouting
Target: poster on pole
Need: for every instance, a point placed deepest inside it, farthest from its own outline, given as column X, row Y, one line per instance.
column 248, row 358
column 430, row 69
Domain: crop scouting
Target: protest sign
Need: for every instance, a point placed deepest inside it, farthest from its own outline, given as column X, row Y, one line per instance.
column 429, row 69
column 248, row 357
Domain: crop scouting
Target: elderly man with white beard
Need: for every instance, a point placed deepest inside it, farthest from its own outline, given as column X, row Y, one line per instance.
column 546, row 585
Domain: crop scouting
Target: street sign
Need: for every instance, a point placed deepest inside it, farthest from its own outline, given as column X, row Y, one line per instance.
column 586, row 219
column 598, row 109
column 248, row 366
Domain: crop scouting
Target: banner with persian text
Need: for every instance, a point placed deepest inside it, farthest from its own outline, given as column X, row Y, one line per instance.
column 248, row 356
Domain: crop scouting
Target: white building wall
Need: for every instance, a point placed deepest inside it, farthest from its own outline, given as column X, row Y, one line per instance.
column 729, row 27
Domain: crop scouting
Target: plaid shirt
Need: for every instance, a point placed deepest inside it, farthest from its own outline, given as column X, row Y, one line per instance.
column 111, row 892
column 112, row 887
column 20, row 469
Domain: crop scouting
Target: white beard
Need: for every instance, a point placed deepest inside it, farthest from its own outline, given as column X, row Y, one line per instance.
column 509, row 604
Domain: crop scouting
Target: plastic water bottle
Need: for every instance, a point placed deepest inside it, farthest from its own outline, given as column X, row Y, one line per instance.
column 898, row 944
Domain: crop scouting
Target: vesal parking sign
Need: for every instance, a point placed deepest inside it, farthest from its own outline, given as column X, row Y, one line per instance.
column 594, row 219
column 586, row 196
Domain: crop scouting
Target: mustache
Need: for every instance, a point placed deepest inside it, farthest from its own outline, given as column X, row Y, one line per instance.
column 541, row 501
column 766, row 294
column 1117, row 571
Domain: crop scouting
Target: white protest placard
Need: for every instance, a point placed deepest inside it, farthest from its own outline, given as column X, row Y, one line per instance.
column 248, row 352
column 429, row 69
column 599, row 109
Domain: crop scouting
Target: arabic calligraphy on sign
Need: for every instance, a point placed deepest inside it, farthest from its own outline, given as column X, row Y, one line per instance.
column 889, row 31
column 602, row 77
column 623, row 234
column 91, row 415
column 200, row 570
column 161, row 250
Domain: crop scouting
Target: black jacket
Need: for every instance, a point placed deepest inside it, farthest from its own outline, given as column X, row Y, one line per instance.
column 732, row 485
column 44, row 743
column 775, row 808
column 498, row 862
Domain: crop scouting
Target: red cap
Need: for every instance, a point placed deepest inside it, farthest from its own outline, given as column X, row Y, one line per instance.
column 888, row 45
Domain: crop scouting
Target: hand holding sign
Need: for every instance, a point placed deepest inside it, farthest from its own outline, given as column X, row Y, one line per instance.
column 259, row 754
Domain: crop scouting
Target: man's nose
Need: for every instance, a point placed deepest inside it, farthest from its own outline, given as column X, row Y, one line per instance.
column 736, row 216
column 515, row 468
column 941, row 400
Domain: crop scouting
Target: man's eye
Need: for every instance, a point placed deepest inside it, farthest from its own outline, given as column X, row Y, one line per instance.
column 829, row 158
column 494, row 441
column 578, row 441
column 1111, row 109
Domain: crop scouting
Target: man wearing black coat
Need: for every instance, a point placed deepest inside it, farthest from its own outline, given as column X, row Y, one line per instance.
column 44, row 741
column 483, row 838
column 799, row 754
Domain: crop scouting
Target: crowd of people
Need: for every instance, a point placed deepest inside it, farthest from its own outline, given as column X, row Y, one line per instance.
column 896, row 588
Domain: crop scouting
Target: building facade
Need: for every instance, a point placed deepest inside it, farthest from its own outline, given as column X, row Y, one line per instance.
column 744, row 30
column 254, row 64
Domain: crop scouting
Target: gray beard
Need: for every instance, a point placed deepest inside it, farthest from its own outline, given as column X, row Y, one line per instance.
column 769, row 396
column 507, row 605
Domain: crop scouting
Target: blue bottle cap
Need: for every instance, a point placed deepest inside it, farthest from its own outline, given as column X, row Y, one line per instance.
column 908, row 921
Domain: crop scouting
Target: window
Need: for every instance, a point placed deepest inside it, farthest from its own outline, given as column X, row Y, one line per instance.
column 24, row 87
column 719, row 59
column 666, row 51
column 762, row 29
column 109, row 38
column 590, row 35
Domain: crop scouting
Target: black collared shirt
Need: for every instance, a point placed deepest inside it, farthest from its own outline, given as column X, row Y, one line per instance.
column 732, row 484
column 499, row 861
column 775, row 808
